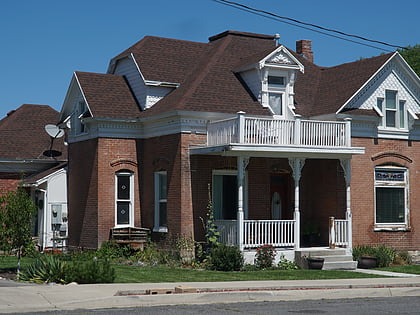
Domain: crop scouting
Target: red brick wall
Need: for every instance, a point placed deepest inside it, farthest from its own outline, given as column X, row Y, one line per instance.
column 362, row 191
column 7, row 184
column 82, row 194
column 115, row 155
column 169, row 153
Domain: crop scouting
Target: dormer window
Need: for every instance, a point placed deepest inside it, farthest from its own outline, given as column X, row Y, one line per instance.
column 393, row 110
column 276, row 90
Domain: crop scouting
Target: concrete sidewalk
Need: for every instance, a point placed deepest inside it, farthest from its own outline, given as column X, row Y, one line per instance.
column 28, row 298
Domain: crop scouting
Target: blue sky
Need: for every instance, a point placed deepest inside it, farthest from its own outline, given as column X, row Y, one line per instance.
column 44, row 41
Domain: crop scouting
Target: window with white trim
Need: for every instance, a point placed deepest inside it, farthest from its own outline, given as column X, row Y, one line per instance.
column 393, row 109
column 124, row 200
column 225, row 195
column 391, row 197
column 276, row 91
column 161, row 189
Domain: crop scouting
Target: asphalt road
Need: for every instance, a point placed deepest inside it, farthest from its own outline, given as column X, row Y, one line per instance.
column 393, row 305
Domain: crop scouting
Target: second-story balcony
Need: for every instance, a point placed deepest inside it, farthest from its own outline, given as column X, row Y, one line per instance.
column 267, row 131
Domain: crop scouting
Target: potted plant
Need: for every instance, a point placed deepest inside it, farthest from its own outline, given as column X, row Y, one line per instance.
column 314, row 262
column 367, row 262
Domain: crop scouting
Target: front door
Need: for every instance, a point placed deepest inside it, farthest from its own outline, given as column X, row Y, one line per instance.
column 279, row 194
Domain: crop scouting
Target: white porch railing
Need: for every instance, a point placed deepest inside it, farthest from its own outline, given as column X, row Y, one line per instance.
column 279, row 233
column 266, row 131
column 339, row 232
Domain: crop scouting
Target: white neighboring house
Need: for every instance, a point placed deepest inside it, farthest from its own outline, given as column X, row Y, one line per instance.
column 49, row 191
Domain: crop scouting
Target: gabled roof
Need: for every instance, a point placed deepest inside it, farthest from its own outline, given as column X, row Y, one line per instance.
column 164, row 59
column 40, row 177
column 22, row 133
column 330, row 88
column 107, row 95
column 212, row 85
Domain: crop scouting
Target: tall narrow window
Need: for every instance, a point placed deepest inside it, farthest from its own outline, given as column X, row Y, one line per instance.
column 276, row 89
column 225, row 195
column 124, row 199
column 391, row 196
column 394, row 111
column 161, row 201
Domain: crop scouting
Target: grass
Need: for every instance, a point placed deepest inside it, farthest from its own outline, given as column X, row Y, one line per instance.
column 414, row 269
column 144, row 274
column 135, row 274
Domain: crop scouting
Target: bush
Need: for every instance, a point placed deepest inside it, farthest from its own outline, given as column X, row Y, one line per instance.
column 90, row 271
column 402, row 258
column 152, row 256
column 265, row 256
column 56, row 268
column 286, row 264
column 225, row 258
column 112, row 250
column 384, row 255
column 45, row 269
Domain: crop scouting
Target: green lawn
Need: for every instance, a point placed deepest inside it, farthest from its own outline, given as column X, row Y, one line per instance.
column 135, row 274
column 415, row 269
column 139, row 274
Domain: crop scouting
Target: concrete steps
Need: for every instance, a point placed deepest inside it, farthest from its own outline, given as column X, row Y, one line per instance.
column 334, row 259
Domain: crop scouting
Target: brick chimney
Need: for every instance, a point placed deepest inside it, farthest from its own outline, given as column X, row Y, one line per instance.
column 304, row 48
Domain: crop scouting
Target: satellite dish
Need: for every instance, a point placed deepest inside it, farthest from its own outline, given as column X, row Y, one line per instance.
column 54, row 131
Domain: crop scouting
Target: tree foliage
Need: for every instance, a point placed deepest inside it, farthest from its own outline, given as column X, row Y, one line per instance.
column 16, row 211
column 412, row 55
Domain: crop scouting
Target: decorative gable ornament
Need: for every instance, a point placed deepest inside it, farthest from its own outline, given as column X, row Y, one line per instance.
column 281, row 58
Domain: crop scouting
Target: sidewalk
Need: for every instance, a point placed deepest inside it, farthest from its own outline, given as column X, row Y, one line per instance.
column 26, row 298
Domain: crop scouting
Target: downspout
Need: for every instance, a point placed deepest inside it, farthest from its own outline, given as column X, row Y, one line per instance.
column 44, row 218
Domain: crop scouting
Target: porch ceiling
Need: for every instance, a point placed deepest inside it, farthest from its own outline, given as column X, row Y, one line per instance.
column 278, row 151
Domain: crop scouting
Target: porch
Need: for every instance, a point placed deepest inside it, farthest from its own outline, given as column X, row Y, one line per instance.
column 279, row 233
column 295, row 142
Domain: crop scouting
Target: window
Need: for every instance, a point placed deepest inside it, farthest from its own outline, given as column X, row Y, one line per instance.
column 394, row 111
column 160, row 202
column 124, row 199
column 225, row 195
column 276, row 89
column 391, row 196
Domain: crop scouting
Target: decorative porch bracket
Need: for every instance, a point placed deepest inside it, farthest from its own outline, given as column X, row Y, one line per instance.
column 242, row 165
column 297, row 164
column 346, row 165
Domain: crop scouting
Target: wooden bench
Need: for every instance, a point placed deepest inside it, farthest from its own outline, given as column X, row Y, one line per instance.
column 134, row 236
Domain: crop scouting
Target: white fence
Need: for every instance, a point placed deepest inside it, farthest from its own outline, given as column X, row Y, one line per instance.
column 266, row 131
column 279, row 233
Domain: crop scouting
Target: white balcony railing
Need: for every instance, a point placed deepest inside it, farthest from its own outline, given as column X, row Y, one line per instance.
column 279, row 233
column 266, row 131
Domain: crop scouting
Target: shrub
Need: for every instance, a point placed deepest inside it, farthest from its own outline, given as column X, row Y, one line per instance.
column 112, row 250
column 225, row 258
column 384, row 255
column 152, row 256
column 45, row 269
column 265, row 256
column 90, row 271
column 286, row 264
column 402, row 258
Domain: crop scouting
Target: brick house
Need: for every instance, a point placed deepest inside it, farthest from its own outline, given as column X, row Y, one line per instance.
column 296, row 155
column 25, row 158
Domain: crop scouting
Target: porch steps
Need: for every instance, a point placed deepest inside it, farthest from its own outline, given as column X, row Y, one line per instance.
column 334, row 259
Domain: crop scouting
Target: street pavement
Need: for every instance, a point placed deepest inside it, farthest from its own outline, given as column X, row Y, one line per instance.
column 20, row 298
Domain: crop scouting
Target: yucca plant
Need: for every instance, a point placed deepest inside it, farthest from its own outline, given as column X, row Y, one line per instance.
column 45, row 269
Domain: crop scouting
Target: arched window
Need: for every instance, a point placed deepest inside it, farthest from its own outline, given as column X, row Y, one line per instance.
column 124, row 198
column 391, row 197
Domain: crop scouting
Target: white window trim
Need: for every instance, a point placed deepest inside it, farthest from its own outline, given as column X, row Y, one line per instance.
column 389, row 130
column 131, row 200
column 404, row 226
column 156, row 226
column 283, row 90
column 234, row 172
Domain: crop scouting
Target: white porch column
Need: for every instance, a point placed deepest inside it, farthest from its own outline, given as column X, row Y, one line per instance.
column 297, row 164
column 346, row 165
column 242, row 164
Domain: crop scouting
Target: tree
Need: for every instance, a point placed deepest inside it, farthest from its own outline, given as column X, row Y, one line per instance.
column 412, row 55
column 16, row 211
